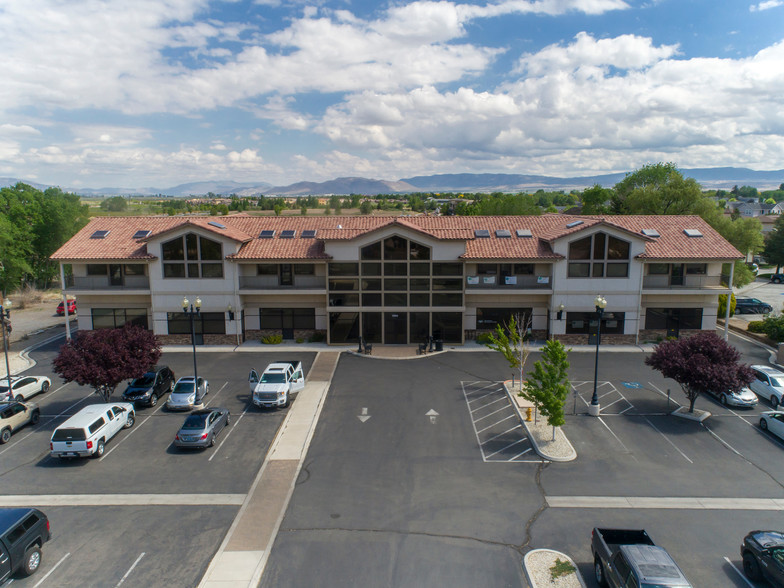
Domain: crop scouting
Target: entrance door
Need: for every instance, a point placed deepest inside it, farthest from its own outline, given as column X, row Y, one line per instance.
column 676, row 277
column 115, row 275
column 286, row 278
column 287, row 322
column 395, row 328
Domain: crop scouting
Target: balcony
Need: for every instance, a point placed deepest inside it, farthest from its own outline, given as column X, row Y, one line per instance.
column 105, row 283
column 664, row 282
column 273, row 283
column 508, row 283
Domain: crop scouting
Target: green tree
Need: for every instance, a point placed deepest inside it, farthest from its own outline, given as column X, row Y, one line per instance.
column 547, row 385
column 366, row 207
column 773, row 251
column 114, row 204
column 722, row 311
column 510, row 339
column 659, row 189
column 595, row 199
column 304, row 210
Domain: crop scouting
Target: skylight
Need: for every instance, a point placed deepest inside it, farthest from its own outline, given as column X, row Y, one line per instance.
column 692, row 232
column 287, row 234
column 141, row 234
column 216, row 224
column 503, row 233
column 573, row 224
column 524, row 233
column 266, row 234
column 482, row 234
column 308, row 233
column 651, row 233
column 99, row 234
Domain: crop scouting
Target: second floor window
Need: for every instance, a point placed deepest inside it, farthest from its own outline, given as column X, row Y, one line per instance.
column 192, row 256
column 598, row 256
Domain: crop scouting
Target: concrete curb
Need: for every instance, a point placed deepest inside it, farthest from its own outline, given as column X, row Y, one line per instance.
column 535, row 552
column 371, row 356
column 559, row 432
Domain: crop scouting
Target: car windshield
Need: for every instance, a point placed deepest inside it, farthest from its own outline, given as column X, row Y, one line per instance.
column 777, row 382
column 273, row 378
column 183, row 388
column 146, row 380
column 4, row 388
column 194, row 422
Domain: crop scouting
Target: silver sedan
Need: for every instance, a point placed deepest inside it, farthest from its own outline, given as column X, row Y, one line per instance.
column 201, row 427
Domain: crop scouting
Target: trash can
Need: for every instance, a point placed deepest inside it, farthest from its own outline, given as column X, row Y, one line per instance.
column 439, row 345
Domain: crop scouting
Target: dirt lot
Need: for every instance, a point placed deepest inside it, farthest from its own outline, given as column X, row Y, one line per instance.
column 35, row 315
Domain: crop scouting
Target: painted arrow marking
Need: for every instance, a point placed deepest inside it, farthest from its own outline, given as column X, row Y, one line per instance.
column 364, row 416
column 432, row 414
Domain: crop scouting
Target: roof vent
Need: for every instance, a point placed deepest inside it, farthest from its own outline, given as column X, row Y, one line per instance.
column 266, row 234
column 503, row 234
column 573, row 224
column 308, row 233
column 651, row 233
column 216, row 224
column 524, row 233
column 482, row 234
column 287, row 234
column 99, row 235
column 141, row 234
column 692, row 232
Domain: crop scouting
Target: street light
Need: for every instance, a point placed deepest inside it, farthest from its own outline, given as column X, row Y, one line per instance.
column 190, row 312
column 5, row 314
column 600, row 304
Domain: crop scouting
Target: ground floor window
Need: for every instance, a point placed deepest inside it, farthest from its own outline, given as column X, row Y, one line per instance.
column 673, row 318
column 343, row 327
column 113, row 318
column 212, row 323
column 288, row 318
column 584, row 323
column 396, row 327
column 490, row 318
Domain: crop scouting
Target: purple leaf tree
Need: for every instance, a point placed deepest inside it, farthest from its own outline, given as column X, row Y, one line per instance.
column 104, row 358
column 701, row 363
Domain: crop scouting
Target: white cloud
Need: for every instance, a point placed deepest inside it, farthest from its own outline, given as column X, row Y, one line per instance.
column 768, row 4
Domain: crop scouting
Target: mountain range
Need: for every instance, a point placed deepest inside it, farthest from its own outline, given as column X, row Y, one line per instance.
column 709, row 178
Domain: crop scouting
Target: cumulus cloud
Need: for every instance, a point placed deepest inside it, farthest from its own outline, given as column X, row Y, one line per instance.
column 765, row 5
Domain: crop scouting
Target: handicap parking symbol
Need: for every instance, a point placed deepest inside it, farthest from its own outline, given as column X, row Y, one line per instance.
column 632, row 384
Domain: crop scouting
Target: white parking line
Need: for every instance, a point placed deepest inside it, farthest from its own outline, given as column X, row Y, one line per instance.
column 479, row 389
column 601, row 420
column 504, row 433
column 743, row 576
column 216, row 394
column 483, row 396
column 668, row 440
column 492, row 413
column 494, row 424
column 138, row 559
column 227, row 434
column 49, row 573
column 520, row 454
column 489, row 404
column 505, row 448
column 664, row 394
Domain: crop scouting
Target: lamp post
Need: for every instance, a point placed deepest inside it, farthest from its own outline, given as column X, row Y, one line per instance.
column 5, row 313
column 192, row 311
column 559, row 315
column 600, row 304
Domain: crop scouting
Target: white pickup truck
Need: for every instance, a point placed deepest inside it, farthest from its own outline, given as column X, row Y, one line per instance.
column 277, row 383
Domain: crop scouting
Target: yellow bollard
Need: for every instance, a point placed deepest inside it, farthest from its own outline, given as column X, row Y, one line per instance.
column 528, row 414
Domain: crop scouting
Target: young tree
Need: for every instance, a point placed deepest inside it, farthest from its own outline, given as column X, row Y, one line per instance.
column 104, row 358
column 774, row 244
column 547, row 385
column 511, row 341
column 701, row 363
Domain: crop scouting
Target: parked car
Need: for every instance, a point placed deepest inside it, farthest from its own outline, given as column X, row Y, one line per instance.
column 150, row 387
column 71, row 308
column 23, row 387
column 278, row 382
column 751, row 306
column 773, row 421
column 777, row 278
column 763, row 556
column 768, row 383
column 87, row 432
column 744, row 398
column 201, row 427
column 185, row 397
column 23, row 532
column 14, row 415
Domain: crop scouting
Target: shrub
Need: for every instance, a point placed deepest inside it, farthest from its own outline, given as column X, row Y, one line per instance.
column 756, row 327
column 483, row 338
column 317, row 337
column 722, row 312
column 300, row 340
column 773, row 327
column 272, row 339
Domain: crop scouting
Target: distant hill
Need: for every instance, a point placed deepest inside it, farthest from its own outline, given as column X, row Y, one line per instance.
column 709, row 178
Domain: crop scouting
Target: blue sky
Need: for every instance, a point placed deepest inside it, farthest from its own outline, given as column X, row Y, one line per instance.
column 153, row 93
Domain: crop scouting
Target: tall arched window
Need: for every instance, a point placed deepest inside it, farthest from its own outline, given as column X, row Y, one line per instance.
column 192, row 256
column 599, row 256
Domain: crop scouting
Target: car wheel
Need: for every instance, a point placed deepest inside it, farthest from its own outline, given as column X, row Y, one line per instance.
column 100, row 449
column 129, row 421
column 45, row 388
column 32, row 561
column 212, row 441
column 35, row 417
column 228, row 421
column 153, row 400
column 763, row 424
column 5, row 436
column 171, row 386
column 774, row 402
column 19, row 398
column 750, row 566
column 598, row 571
column 288, row 401
column 723, row 399
column 776, row 280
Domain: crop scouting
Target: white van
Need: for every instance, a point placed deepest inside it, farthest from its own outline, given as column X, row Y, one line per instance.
column 86, row 433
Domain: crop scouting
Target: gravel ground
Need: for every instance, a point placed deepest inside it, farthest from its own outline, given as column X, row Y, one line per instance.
column 538, row 564
column 34, row 317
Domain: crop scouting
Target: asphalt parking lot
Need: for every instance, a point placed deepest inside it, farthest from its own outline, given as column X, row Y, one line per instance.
column 146, row 513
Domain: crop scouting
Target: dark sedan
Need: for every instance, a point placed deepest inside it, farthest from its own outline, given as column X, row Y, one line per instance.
column 752, row 306
column 763, row 556
column 201, row 427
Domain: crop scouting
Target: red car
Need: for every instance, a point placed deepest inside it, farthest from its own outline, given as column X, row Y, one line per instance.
column 71, row 308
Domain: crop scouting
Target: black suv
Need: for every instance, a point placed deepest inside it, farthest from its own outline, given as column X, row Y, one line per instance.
column 763, row 556
column 751, row 306
column 150, row 387
column 23, row 532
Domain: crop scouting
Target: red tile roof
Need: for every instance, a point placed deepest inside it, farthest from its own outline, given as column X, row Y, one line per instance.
column 671, row 244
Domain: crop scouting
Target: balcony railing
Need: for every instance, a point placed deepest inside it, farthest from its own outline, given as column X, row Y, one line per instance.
column 273, row 283
column 104, row 283
column 687, row 282
column 508, row 283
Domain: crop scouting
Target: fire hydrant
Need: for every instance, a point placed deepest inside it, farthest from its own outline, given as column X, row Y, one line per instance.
column 528, row 412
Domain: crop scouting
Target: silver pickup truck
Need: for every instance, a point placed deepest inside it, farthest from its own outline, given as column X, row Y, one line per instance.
column 276, row 384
